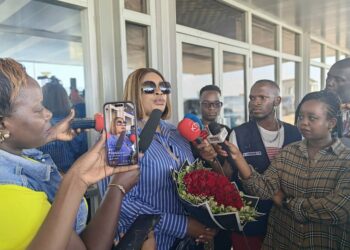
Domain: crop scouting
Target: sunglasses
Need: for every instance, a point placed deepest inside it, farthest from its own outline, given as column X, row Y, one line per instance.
column 119, row 123
column 149, row 87
column 216, row 104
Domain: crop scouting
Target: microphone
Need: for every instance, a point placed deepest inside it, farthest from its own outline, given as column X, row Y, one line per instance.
column 204, row 132
column 120, row 141
column 190, row 130
column 132, row 138
column 147, row 133
column 85, row 123
column 218, row 135
column 195, row 119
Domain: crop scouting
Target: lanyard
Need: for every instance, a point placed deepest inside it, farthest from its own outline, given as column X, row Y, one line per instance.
column 167, row 148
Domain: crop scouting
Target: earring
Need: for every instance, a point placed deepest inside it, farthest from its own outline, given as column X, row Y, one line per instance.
column 4, row 136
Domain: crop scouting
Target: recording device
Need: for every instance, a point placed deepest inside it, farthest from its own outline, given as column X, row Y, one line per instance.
column 121, row 125
column 85, row 123
column 137, row 233
column 190, row 130
column 218, row 135
column 147, row 133
column 195, row 119
column 204, row 133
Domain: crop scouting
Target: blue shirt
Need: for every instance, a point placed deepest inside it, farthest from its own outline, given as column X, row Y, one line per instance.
column 123, row 156
column 64, row 153
column 38, row 173
column 155, row 192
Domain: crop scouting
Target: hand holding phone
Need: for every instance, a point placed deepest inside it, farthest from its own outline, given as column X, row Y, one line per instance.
column 121, row 127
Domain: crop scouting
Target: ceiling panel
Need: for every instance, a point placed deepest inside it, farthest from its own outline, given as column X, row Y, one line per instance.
column 324, row 18
column 40, row 32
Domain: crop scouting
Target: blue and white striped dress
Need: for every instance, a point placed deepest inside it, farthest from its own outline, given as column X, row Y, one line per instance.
column 155, row 192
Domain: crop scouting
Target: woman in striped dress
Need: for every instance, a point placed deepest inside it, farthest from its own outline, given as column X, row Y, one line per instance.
column 156, row 193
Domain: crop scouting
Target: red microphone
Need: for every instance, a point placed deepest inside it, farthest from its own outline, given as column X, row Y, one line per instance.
column 86, row 123
column 132, row 138
column 190, row 130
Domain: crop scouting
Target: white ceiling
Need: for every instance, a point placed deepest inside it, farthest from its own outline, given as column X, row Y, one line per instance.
column 40, row 32
column 328, row 19
column 34, row 30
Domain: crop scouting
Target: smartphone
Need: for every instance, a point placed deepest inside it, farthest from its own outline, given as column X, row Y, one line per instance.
column 121, row 127
column 138, row 231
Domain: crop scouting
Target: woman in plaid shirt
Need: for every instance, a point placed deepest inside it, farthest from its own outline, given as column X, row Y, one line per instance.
column 309, row 181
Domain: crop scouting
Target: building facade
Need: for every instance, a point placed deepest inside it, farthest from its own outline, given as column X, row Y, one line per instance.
column 230, row 43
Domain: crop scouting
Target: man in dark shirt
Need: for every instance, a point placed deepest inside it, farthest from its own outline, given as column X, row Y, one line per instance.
column 210, row 104
column 210, row 107
column 338, row 81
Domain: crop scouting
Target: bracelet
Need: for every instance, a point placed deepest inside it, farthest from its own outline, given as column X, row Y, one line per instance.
column 121, row 188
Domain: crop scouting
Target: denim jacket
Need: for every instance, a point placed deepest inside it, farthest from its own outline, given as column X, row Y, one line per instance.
column 36, row 171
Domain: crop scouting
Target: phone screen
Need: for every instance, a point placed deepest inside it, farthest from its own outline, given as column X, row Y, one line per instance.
column 121, row 128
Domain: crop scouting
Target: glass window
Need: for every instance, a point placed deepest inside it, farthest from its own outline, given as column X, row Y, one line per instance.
column 264, row 67
column 211, row 16
column 264, row 33
column 342, row 56
column 331, row 56
column 290, row 43
column 233, row 89
column 197, row 72
column 137, row 46
column 288, row 90
column 46, row 39
column 315, row 51
column 136, row 5
column 315, row 79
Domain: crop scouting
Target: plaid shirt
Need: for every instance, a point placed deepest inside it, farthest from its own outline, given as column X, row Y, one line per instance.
column 318, row 193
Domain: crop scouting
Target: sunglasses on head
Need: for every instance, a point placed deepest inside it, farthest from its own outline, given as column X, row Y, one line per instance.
column 149, row 87
column 216, row 104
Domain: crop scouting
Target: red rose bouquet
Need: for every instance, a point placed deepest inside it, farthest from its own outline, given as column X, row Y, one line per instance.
column 212, row 199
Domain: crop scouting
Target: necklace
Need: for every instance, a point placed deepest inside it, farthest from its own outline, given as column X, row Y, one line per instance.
column 272, row 140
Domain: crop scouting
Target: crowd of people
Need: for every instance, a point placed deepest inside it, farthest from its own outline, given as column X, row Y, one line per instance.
column 301, row 172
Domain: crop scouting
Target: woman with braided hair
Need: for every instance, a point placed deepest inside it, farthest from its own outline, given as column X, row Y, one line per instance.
column 308, row 181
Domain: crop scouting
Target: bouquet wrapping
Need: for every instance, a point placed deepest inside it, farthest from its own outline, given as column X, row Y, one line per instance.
column 213, row 200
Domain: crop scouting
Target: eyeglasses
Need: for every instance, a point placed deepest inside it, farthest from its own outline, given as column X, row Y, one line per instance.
column 120, row 123
column 149, row 87
column 216, row 104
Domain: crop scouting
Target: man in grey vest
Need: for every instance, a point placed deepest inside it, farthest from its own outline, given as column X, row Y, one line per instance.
column 260, row 140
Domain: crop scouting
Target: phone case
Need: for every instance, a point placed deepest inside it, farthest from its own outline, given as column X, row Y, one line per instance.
column 121, row 127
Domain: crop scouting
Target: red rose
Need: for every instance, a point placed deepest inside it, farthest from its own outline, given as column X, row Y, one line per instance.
column 207, row 183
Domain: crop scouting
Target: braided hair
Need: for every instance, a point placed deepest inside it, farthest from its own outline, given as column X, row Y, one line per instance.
column 333, row 108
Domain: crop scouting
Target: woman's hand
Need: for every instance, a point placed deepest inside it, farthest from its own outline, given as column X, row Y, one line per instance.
column 201, row 233
column 92, row 167
column 206, row 150
column 62, row 131
column 278, row 198
column 234, row 151
column 126, row 179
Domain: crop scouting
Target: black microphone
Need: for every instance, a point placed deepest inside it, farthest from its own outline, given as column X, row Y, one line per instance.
column 120, row 141
column 218, row 135
column 86, row 123
column 138, row 231
column 147, row 133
